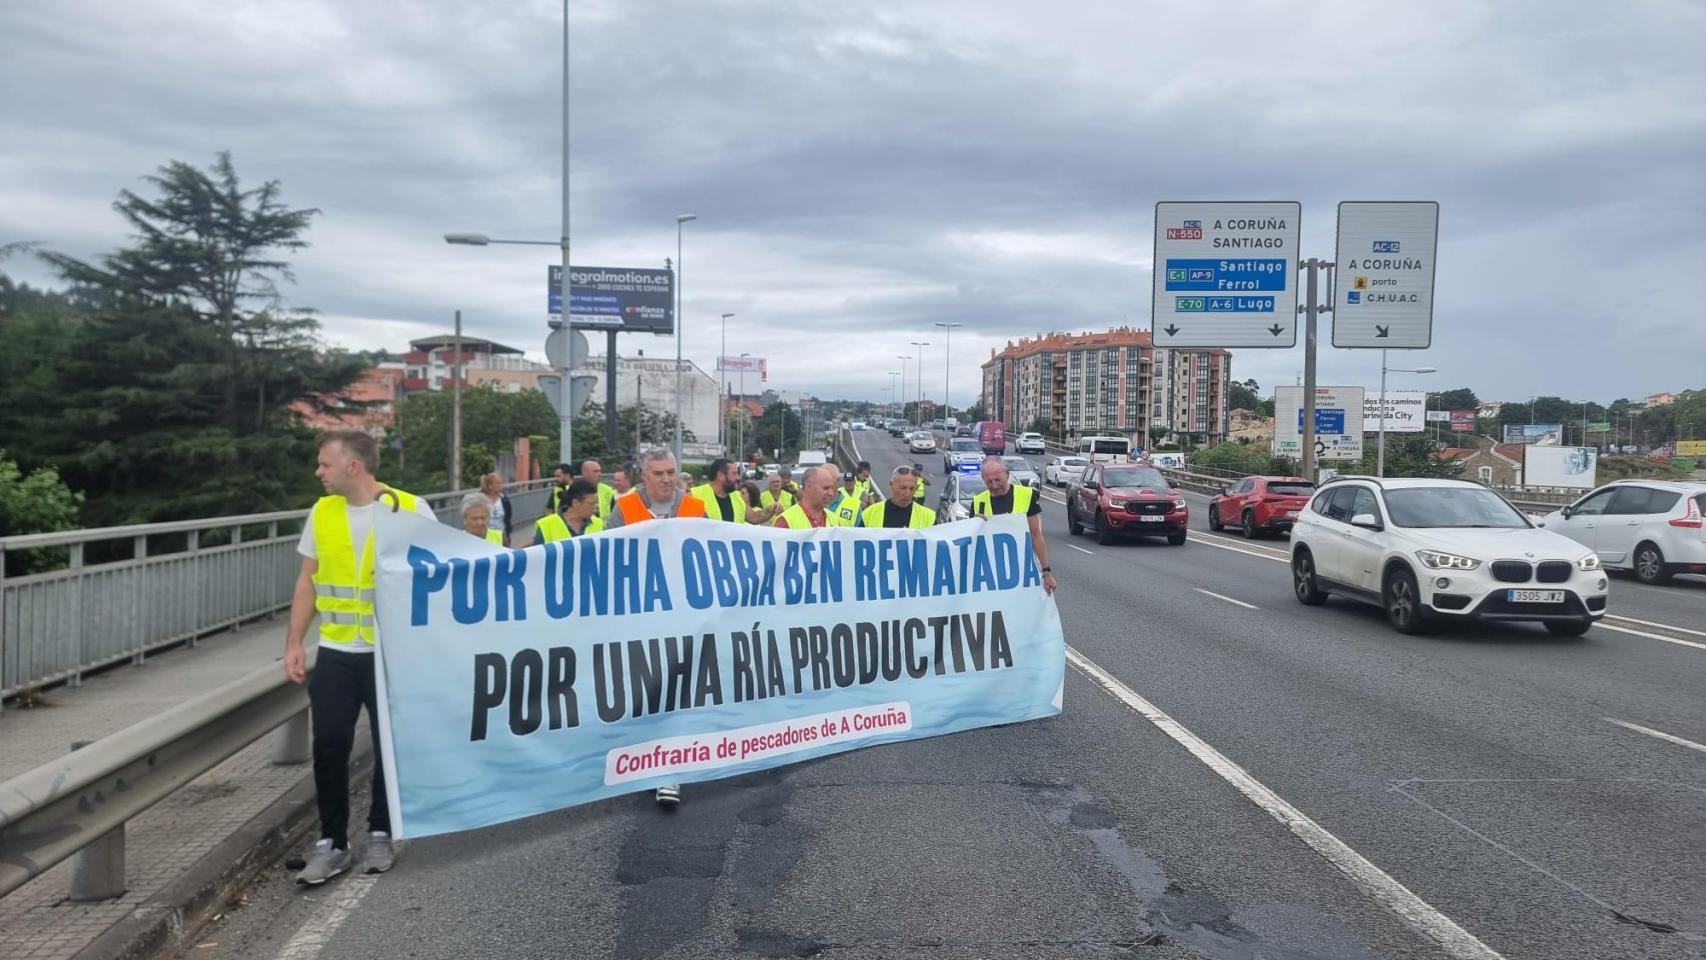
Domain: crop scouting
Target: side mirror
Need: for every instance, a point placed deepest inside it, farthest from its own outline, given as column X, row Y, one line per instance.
column 1367, row 521
column 1568, row 512
column 1092, row 485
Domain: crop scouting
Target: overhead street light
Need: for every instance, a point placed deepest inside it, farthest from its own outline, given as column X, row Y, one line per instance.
column 722, row 387
column 679, row 220
column 947, row 352
column 920, row 344
column 1380, row 458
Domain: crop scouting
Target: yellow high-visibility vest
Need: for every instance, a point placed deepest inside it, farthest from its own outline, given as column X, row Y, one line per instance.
column 1021, row 501
column 553, row 528
column 705, row 494
column 796, row 519
column 495, row 536
column 921, row 517
column 766, row 499
column 343, row 580
column 845, row 513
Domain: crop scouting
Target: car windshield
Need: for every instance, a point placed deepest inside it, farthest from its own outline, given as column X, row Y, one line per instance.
column 966, row 444
column 1292, row 489
column 970, row 485
column 1017, row 463
column 1078, row 462
column 1134, row 477
column 1451, row 507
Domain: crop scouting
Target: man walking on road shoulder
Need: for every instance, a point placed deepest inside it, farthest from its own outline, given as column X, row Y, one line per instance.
column 722, row 495
column 1003, row 497
column 657, row 497
column 337, row 582
column 593, row 472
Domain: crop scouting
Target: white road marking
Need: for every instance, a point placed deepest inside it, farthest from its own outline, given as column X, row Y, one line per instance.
column 1649, row 731
column 1650, row 623
column 1411, row 910
column 1197, row 537
column 1652, row 636
column 312, row 938
column 1240, row 541
column 1218, row 596
column 1081, row 549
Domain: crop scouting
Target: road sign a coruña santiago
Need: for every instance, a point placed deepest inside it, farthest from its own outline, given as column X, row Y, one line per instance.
column 1225, row 274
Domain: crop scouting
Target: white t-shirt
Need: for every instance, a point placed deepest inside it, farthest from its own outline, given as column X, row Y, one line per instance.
column 497, row 511
column 360, row 525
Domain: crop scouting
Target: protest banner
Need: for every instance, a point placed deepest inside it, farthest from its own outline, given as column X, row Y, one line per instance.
column 515, row 682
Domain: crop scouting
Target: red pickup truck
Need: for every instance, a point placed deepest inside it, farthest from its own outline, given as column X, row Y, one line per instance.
column 1257, row 505
column 1125, row 499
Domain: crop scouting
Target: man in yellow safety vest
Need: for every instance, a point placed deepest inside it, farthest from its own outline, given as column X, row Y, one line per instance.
column 900, row 510
column 593, row 472
column 812, row 510
column 722, row 496
column 337, row 583
column 1002, row 496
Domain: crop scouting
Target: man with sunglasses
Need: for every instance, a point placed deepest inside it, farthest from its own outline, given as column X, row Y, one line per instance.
column 900, row 511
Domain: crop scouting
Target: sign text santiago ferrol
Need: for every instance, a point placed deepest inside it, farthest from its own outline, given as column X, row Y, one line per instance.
column 1384, row 289
column 1225, row 274
column 624, row 299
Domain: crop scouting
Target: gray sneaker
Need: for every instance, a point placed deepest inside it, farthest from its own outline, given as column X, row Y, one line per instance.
column 669, row 796
column 325, row 863
column 379, row 855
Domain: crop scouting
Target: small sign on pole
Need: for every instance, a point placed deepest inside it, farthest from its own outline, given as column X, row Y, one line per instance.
column 1338, row 422
column 1225, row 274
column 1384, row 282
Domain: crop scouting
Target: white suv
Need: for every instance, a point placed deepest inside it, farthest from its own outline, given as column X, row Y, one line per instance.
column 1655, row 528
column 1441, row 550
column 1029, row 443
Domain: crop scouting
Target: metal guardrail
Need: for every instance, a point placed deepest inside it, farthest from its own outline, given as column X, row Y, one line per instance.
column 59, row 624
column 79, row 805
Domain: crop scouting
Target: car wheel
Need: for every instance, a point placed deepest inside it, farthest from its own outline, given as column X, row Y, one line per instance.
column 1104, row 533
column 1214, row 519
column 1309, row 593
column 1176, row 539
column 1650, row 564
column 1072, row 525
column 1248, row 528
column 1403, row 602
column 1570, row 628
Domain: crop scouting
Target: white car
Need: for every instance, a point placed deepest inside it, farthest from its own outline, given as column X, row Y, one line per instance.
column 1436, row 550
column 1029, row 443
column 1654, row 528
column 961, row 450
column 1061, row 471
column 1021, row 471
column 921, row 441
column 954, row 503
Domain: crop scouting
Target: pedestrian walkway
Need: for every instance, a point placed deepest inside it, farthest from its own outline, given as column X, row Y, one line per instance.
column 38, row 921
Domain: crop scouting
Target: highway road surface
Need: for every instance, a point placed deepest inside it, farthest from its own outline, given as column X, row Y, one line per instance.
column 1234, row 776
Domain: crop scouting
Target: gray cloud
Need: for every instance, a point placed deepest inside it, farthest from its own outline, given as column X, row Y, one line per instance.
column 862, row 172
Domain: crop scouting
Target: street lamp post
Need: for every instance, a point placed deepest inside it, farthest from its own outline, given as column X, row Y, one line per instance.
column 741, row 433
column 921, row 344
column 894, row 394
column 723, row 389
column 1380, row 458
column 947, row 352
column 900, row 398
column 679, row 220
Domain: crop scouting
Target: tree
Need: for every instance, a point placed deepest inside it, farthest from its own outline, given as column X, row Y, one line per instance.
column 1407, row 455
column 1462, row 398
column 1157, row 433
column 1040, row 425
column 779, row 428
column 167, row 392
column 973, row 413
column 37, row 502
column 492, row 420
column 1248, row 396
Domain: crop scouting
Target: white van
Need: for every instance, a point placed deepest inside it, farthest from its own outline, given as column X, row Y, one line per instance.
column 1105, row 449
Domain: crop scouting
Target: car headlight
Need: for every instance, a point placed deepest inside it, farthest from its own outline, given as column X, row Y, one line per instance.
column 1117, row 504
column 1178, row 504
column 1435, row 560
column 1589, row 562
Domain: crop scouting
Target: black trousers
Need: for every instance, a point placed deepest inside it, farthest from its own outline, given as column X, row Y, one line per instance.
column 341, row 684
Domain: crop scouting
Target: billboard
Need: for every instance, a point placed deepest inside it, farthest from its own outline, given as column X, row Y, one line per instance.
column 1406, row 411
column 1462, row 421
column 1338, row 422
column 1691, row 448
column 1543, row 434
column 744, row 365
column 1555, row 466
column 1439, row 416
column 624, row 299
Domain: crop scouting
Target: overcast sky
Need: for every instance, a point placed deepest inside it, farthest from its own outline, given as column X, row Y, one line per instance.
column 863, row 170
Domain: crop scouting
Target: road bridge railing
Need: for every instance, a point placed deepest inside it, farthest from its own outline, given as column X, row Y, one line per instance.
column 177, row 581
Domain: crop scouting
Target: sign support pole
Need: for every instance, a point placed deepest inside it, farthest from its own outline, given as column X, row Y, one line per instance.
column 610, row 367
column 566, row 412
column 1310, row 310
column 1380, row 457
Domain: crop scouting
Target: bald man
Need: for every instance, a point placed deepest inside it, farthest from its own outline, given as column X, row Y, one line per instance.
column 1003, row 497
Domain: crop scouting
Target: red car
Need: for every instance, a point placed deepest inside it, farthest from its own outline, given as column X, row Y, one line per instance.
column 1257, row 505
column 1126, row 499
